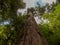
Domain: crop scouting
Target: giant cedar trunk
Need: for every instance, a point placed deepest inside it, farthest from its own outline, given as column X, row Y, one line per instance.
column 31, row 34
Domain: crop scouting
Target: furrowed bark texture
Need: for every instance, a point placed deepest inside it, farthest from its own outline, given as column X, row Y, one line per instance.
column 31, row 34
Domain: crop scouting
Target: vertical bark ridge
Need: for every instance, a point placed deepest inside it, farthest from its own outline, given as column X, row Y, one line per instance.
column 31, row 34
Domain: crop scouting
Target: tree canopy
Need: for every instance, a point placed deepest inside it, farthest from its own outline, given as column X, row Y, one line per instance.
column 8, row 14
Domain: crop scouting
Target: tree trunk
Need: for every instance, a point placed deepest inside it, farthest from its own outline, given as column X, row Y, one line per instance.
column 31, row 34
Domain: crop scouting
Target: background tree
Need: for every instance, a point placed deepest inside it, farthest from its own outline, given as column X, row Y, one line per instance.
column 8, row 13
column 58, row 1
column 51, row 30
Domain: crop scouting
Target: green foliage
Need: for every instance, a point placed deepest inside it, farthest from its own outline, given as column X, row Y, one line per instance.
column 9, row 34
column 41, row 10
column 58, row 1
column 8, row 12
column 51, row 30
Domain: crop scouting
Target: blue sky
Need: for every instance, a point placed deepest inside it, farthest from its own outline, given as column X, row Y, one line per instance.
column 41, row 2
column 31, row 3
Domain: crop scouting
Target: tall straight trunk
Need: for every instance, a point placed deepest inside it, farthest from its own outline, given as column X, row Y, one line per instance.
column 31, row 34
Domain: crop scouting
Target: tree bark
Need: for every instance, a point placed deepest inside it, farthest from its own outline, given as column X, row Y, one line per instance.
column 31, row 34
